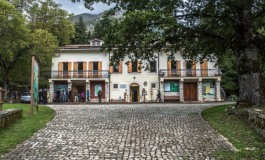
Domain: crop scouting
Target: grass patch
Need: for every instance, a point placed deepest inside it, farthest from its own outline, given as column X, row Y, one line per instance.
column 246, row 140
column 25, row 127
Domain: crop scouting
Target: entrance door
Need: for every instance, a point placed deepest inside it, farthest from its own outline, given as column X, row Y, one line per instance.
column 190, row 91
column 79, row 87
column 134, row 93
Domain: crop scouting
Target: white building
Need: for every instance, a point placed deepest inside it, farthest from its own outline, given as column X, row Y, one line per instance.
column 85, row 67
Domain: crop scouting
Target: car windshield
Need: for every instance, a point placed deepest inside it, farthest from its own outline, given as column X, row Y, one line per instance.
column 26, row 94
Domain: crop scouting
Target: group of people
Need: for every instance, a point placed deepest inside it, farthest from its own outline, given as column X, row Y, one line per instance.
column 64, row 95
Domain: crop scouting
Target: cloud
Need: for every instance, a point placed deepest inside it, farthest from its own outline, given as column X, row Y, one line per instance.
column 78, row 7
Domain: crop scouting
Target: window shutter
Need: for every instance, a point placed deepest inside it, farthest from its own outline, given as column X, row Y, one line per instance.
column 60, row 70
column 130, row 67
column 99, row 69
column 179, row 68
column 169, row 68
column 193, row 69
column 75, row 69
column 111, row 69
column 204, row 68
column 84, row 69
column 138, row 67
column 69, row 69
column 90, row 69
column 120, row 67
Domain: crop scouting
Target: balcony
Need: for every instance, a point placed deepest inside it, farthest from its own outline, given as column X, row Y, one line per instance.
column 79, row 74
column 190, row 73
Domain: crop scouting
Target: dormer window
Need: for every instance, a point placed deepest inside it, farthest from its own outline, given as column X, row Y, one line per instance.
column 96, row 42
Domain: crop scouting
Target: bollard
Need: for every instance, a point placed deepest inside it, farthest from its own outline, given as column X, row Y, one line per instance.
column 1, row 102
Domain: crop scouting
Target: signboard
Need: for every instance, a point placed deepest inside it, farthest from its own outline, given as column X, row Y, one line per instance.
column 171, row 86
column 34, row 83
column 208, row 89
column 97, row 88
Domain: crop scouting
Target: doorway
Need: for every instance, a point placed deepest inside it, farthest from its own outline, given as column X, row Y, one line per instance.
column 80, row 88
column 190, row 91
column 134, row 93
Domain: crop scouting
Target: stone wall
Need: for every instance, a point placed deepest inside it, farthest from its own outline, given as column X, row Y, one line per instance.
column 9, row 116
column 256, row 118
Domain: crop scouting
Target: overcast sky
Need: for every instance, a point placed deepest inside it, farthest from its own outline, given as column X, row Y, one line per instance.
column 78, row 7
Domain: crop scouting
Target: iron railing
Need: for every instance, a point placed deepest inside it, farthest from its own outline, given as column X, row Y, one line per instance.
column 189, row 72
column 79, row 74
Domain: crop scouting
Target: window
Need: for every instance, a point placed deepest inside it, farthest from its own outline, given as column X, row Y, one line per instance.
column 173, row 65
column 116, row 68
column 153, row 66
column 95, row 66
column 134, row 66
column 189, row 65
column 115, row 86
column 65, row 66
column 153, row 85
column 80, row 66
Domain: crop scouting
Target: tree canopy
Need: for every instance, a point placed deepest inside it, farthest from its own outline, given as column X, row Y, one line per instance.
column 199, row 29
column 20, row 38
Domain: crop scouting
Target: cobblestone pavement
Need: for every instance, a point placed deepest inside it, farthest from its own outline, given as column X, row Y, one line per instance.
column 130, row 131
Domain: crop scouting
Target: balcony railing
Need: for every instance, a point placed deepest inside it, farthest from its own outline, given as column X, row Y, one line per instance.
column 79, row 74
column 189, row 72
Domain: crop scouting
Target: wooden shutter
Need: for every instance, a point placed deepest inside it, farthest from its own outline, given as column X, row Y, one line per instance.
column 84, row 69
column 99, row 69
column 120, row 67
column 60, row 70
column 204, row 68
column 179, row 68
column 169, row 68
column 69, row 69
column 193, row 69
column 138, row 67
column 110, row 68
column 130, row 67
column 90, row 70
column 75, row 69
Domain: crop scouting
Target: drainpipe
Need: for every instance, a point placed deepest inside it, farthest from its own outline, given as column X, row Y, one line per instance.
column 158, row 72
column 109, row 78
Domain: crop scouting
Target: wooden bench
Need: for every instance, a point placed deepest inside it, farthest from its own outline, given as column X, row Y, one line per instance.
column 117, row 100
column 171, row 98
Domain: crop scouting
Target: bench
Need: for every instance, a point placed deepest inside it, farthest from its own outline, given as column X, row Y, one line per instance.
column 171, row 98
column 116, row 100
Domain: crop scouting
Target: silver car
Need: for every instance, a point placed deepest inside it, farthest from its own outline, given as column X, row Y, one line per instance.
column 25, row 97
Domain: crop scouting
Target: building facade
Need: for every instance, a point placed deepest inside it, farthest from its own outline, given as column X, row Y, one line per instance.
column 82, row 68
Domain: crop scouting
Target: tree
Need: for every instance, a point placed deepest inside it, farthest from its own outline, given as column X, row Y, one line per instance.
column 47, row 15
column 102, row 27
column 199, row 29
column 18, row 43
column 80, row 36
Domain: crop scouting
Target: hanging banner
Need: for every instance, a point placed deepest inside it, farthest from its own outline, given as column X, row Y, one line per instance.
column 34, row 83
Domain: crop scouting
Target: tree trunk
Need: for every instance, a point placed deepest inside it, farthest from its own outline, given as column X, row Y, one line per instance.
column 6, row 84
column 248, row 66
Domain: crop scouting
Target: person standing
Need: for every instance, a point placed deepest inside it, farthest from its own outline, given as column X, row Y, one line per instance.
column 99, row 96
column 88, row 95
column 69, row 94
column 83, row 96
column 158, row 96
column 58, row 95
column 76, row 95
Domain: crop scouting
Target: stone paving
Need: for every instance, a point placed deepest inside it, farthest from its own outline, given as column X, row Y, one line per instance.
column 124, row 131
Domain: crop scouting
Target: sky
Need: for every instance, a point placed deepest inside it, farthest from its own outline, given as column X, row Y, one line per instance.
column 78, row 7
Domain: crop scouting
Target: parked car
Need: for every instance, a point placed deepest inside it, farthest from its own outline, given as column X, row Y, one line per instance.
column 25, row 97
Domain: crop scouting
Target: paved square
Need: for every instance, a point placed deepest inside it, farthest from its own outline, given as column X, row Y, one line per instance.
column 130, row 131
